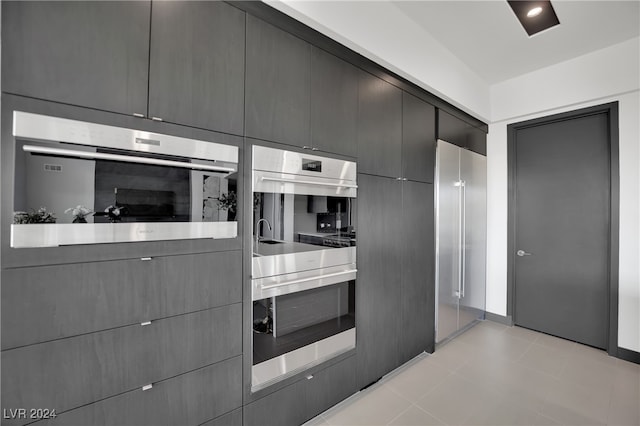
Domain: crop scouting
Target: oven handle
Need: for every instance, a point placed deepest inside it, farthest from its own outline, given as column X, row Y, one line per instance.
column 126, row 158
column 302, row 280
column 308, row 182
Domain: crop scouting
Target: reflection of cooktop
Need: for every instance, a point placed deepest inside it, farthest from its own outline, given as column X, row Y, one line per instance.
column 346, row 239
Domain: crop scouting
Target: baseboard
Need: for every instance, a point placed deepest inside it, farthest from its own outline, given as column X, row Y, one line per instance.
column 506, row 320
column 629, row 355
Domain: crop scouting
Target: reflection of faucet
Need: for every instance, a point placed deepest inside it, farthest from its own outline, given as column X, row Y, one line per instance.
column 258, row 230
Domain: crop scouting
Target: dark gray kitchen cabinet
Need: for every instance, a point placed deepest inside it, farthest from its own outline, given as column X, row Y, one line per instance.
column 395, row 292
column 417, row 327
column 196, row 72
column 189, row 399
column 69, row 373
column 334, row 104
column 52, row 302
column 378, row 289
column 458, row 132
column 418, row 139
column 379, row 127
column 91, row 54
column 278, row 85
column 285, row 407
column 304, row 399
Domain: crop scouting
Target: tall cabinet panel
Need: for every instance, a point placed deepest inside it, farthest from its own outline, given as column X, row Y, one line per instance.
column 277, row 85
column 334, row 104
column 379, row 127
column 196, row 73
column 418, row 287
column 418, row 139
column 91, row 54
column 379, row 266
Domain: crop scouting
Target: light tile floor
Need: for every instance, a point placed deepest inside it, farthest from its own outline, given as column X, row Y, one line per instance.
column 498, row 375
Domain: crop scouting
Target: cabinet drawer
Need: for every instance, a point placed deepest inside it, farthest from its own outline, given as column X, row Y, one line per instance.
column 52, row 302
column 188, row 399
column 68, row 373
column 329, row 386
column 306, row 398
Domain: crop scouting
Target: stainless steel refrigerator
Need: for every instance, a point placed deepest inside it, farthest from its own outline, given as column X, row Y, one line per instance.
column 461, row 234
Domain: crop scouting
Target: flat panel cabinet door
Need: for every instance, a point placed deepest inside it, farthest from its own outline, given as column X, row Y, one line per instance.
column 473, row 171
column 67, row 373
column 448, row 201
column 327, row 387
column 284, row 407
column 91, row 54
column 378, row 292
column 452, row 129
column 379, row 127
column 52, row 302
column 418, row 286
column 277, row 85
column 334, row 104
column 477, row 140
column 196, row 73
column 188, row 399
column 418, row 139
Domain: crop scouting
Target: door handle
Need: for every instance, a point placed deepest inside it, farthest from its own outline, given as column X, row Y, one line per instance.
column 522, row 253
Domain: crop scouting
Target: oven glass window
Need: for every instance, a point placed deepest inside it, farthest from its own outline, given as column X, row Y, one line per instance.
column 83, row 190
column 291, row 223
column 285, row 323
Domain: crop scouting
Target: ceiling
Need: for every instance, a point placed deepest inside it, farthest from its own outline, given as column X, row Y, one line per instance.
column 485, row 34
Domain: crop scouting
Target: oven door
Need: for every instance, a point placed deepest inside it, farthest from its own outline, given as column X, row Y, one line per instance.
column 300, row 320
column 301, row 223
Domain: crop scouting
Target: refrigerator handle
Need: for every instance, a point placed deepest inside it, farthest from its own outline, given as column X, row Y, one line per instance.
column 463, row 238
column 460, row 185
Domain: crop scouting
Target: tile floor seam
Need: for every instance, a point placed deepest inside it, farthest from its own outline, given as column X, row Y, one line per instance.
column 431, row 414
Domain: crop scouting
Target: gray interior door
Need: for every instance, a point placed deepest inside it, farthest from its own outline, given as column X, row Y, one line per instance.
column 562, row 222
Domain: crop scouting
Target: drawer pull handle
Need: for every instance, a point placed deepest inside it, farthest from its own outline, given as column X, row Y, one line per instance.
column 145, row 259
column 309, row 377
column 156, row 118
column 147, row 387
column 145, row 323
column 137, row 114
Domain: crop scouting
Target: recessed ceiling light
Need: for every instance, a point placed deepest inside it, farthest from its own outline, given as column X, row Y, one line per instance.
column 541, row 10
column 534, row 12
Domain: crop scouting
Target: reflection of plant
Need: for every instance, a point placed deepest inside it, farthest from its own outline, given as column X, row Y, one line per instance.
column 79, row 212
column 115, row 213
column 228, row 201
column 38, row 216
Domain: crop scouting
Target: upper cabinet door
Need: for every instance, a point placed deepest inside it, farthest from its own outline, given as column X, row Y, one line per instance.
column 418, row 139
column 92, row 54
column 196, row 73
column 277, row 85
column 334, row 104
column 379, row 127
column 458, row 132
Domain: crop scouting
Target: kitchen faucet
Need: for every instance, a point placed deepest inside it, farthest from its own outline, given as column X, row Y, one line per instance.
column 258, row 230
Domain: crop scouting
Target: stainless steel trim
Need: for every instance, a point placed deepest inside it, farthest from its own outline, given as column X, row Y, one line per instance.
column 278, row 285
column 282, row 183
column 302, row 280
column 308, row 182
column 463, row 243
column 59, row 234
column 124, row 158
column 46, row 128
column 290, row 162
column 279, row 264
column 273, row 370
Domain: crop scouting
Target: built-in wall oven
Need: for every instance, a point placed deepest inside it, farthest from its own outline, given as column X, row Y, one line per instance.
column 303, row 270
column 87, row 183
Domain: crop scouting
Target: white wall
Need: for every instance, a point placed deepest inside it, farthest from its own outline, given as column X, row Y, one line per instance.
column 611, row 74
column 382, row 33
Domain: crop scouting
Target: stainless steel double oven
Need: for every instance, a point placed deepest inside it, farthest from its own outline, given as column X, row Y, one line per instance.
column 303, row 270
